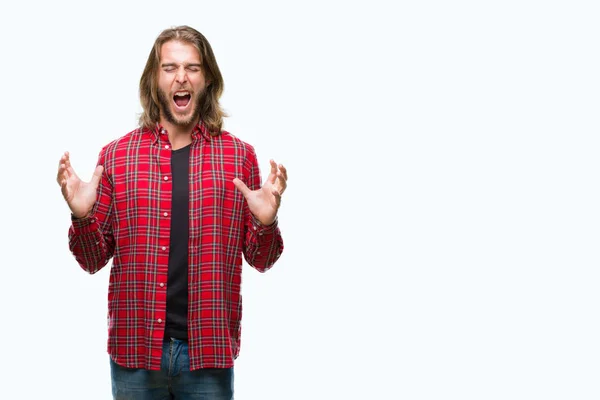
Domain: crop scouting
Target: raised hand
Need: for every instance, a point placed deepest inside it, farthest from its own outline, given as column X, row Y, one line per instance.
column 264, row 202
column 79, row 195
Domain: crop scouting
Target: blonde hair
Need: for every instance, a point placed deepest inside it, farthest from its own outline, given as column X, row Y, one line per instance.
column 210, row 110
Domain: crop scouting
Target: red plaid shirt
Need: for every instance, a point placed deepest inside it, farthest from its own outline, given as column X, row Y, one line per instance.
column 130, row 223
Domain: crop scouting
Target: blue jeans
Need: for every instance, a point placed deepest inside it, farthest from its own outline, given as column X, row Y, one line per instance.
column 173, row 381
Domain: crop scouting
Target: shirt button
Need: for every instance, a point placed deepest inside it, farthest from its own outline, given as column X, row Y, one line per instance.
column 162, row 131
column 164, row 248
column 167, row 146
column 258, row 252
column 159, row 320
column 166, row 178
column 166, row 214
column 161, row 284
column 254, row 227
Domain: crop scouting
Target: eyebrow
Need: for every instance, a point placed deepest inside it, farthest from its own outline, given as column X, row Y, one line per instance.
column 185, row 65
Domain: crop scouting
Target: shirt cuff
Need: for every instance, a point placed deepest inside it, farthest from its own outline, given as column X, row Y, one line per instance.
column 261, row 229
column 85, row 224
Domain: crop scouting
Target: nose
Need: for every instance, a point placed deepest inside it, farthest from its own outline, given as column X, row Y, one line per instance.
column 181, row 76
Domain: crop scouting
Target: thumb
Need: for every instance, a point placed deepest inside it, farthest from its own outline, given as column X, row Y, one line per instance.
column 97, row 176
column 241, row 186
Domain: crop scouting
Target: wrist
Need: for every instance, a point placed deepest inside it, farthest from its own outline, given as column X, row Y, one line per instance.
column 265, row 223
column 75, row 216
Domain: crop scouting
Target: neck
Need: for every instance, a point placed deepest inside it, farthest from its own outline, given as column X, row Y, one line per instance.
column 179, row 135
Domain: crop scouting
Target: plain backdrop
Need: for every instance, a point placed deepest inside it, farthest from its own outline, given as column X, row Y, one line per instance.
column 441, row 222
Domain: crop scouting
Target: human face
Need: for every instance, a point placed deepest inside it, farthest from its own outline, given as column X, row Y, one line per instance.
column 181, row 83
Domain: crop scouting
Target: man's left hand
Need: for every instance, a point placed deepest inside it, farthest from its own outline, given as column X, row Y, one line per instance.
column 264, row 202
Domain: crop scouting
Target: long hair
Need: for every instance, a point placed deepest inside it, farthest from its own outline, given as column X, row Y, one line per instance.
column 210, row 110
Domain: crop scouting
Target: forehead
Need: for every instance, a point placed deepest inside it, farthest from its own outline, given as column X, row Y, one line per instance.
column 176, row 51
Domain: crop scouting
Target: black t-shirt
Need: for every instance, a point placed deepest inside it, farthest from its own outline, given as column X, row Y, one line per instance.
column 177, row 283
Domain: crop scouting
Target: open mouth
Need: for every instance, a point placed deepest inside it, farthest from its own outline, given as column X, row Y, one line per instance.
column 182, row 99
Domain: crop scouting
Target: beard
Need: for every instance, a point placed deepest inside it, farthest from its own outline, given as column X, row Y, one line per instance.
column 165, row 107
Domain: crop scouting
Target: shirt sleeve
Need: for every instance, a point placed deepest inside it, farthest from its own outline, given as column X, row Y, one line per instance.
column 90, row 238
column 263, row 244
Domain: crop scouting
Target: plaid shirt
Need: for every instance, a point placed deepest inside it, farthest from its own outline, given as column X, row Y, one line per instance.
column 130, row 223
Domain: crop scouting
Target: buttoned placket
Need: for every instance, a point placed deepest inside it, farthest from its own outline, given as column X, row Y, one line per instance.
column 164, row 212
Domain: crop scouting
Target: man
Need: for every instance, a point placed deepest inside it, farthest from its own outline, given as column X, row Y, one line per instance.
column 175, row 204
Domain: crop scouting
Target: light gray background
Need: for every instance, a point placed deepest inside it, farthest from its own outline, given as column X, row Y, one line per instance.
column 441, row 223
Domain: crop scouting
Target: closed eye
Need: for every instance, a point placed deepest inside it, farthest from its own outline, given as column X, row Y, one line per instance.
column 169, row 67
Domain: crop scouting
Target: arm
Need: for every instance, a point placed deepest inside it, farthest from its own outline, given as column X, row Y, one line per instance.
column 263, row 243
column 90, row 238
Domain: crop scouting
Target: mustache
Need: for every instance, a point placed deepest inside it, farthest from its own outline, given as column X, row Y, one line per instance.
column 165, row 107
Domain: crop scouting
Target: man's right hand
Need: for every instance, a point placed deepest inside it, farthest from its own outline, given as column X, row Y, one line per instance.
column 79, row 195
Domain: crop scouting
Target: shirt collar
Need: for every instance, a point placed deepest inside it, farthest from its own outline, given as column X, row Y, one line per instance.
column 200, row 131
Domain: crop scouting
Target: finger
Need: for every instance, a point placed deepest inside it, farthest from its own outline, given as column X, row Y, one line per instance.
column 241, row 186
column 63, row 158
column 277, row 196
column 61, row 174
column 71, row 172
column 64, row 188
column 273, row 173
column 70, row 169
column 64, row 166
column 283, row 171
column 281, row 176
column 66, row 159
column 281, row 183
column 97, row 176
column 58, row 173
